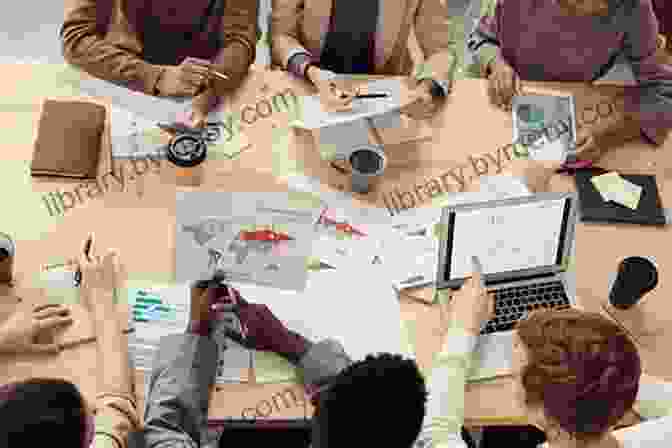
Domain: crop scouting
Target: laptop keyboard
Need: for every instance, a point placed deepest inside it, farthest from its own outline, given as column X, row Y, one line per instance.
column 512, row 304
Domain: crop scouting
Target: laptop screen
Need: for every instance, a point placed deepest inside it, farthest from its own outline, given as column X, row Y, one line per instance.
column 507, row 237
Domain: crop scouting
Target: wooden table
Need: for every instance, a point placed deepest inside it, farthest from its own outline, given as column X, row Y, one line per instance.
column 446, row 154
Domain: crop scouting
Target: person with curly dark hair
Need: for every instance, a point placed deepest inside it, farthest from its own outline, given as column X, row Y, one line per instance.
column 578, row 374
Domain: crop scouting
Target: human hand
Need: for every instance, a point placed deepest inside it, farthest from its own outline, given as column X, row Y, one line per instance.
column 206, row 300
column 201, row 107
column 186, row 79
column 421, row 104
column 472, row 305
column 591, row 144
column 503, row 83
column 20, row 332
column 262, row 331
column 101, row 276
column 334, row 95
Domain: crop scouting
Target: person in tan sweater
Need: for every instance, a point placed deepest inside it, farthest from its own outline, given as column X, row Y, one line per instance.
column 163, row 48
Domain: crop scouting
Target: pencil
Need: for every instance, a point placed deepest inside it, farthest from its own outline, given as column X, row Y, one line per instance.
column 73, row 344
column 218, row 74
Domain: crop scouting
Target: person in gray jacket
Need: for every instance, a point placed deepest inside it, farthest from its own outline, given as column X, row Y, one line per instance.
column 380, row 400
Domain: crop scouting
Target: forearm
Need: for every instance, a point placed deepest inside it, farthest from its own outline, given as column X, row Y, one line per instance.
column 113, row 359
column 446, row 386
column 234, row 60
column 117, row 61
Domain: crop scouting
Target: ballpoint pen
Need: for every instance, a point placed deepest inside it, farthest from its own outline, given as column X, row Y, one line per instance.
column 372, row 95
column 87, row 251
column 218, row 74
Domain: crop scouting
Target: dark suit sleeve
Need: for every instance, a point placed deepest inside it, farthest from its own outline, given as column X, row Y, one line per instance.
column 179, row 392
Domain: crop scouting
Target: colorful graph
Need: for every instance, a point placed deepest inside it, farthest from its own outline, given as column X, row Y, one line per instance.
column 148, row 307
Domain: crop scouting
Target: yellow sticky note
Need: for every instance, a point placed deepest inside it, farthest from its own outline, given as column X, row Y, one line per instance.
column 629, row 195
column 608, row 183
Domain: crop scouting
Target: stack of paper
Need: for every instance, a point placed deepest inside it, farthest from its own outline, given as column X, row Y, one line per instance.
column 613, row 187
column 163, row 311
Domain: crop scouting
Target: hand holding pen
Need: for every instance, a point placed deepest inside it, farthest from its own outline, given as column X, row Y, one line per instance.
column 98, row 276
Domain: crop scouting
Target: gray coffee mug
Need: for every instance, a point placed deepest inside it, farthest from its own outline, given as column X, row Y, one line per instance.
column 366, row 162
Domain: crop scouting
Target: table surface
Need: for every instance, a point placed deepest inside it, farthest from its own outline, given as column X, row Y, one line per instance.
column 139, row 220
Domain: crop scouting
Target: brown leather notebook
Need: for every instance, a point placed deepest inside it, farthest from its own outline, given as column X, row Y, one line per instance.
column 69, row 139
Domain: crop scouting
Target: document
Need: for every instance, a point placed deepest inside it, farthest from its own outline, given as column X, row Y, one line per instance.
column 134, row 136
column 363, row 316
column 655, row 433
column 545, row 125
column 314, row 116
column 161, row 311
column 416, row 236
column 263, row 238
column 148, row 107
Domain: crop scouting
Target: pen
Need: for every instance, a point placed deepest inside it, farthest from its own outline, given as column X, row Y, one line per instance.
column 87, row 250
column 218, row 74
column 372, row 95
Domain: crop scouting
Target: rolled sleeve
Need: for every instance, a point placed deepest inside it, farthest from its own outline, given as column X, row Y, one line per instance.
column 652, row 101
column 116, row 417
column 324, row 361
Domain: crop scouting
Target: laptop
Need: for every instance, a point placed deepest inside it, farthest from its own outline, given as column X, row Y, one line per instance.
column 524, row 246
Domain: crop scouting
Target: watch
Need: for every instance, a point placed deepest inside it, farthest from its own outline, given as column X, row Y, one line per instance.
column 440, row 89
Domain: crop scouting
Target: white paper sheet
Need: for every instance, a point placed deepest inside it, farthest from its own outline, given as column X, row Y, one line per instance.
column 146, row 106
column 364, row 316
column 314, row 116
column 655, row 433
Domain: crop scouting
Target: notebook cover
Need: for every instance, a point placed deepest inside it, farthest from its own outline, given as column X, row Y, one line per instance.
column 594, row 209
column 70, row 139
